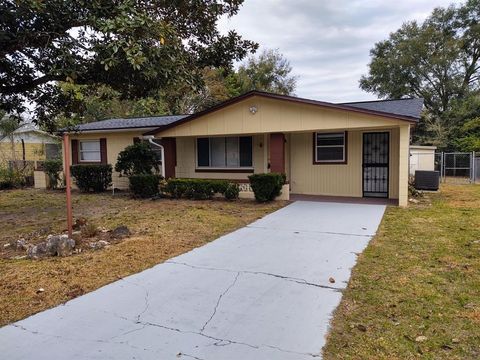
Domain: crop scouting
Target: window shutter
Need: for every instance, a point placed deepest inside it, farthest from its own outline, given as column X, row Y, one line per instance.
column 277, row 152
column 103, row 150
column 170, row 152
column 74, row 149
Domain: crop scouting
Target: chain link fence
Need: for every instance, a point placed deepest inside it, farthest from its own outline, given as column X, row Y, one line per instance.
column 458, row 167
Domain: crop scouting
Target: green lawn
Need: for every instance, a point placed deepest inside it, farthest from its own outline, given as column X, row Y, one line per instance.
column 415, row 292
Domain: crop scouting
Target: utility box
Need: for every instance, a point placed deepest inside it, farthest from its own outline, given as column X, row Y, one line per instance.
column 427, row 180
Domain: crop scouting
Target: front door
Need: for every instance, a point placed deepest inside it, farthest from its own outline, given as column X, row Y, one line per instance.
column 376, row 164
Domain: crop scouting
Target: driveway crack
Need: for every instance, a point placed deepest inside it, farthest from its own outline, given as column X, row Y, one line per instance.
column 291, row 351
column 188, row 356
column 219, row 300
column 217, row 341
column 284, row 277
column 314, row 231
column 146, row 298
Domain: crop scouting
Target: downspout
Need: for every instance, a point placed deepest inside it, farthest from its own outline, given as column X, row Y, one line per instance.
column 162, row 150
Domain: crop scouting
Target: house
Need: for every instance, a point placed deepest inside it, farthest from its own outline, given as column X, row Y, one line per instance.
column 358, row 149
column 28, row 144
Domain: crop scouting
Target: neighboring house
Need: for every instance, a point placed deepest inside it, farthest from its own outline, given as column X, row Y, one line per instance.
column 353, row 149
column 29, row 144
column 422, row 158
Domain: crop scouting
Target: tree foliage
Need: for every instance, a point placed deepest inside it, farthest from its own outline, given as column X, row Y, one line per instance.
column 83, row 103
column 78, row 104
column 182, row 100
column 135, row 47
column 464, row 132
column 270, row 72
column 137, row 159
column 438, row 60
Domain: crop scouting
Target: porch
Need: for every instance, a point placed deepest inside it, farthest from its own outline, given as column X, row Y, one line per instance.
column 344, row 199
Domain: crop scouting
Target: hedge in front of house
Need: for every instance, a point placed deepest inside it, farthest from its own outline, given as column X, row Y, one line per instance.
column 92, row 177
column 144, row 185
column 198, row 189
column 266, row 187
column 232, row 191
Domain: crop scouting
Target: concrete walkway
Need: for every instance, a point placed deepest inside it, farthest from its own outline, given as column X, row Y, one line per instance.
column 262, row 292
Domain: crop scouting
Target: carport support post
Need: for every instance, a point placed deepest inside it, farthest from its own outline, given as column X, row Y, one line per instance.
column 66, row 147
column 403, row 170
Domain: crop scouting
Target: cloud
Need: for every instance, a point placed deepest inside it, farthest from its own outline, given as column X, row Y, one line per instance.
column 327, row 42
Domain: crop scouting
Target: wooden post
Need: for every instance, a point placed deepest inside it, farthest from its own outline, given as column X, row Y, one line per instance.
column 66, row 147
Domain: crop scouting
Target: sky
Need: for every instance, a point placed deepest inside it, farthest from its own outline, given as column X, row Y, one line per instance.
column 326, row 41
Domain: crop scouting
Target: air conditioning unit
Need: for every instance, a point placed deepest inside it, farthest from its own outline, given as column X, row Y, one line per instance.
column 427, row 180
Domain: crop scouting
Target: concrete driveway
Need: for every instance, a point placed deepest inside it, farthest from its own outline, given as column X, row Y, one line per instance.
column 262, row 292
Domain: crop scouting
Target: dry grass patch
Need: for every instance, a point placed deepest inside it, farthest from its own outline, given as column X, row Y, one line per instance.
column 161, row 230
column 416, row 288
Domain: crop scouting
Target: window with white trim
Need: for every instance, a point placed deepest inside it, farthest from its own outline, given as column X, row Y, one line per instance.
column 89, row 151
column 225, row 152
column 330, row 147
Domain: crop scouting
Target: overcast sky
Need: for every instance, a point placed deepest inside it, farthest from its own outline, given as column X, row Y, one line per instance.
column 326, row 41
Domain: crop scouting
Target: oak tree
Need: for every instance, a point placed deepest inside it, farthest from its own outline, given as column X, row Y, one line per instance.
column 135, row 47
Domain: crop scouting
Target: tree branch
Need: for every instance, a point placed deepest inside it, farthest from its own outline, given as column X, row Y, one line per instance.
column 26, row 86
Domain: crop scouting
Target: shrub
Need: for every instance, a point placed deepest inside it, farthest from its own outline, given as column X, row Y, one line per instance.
column 197, row 189
column 10, row 179
column 89, row 230
column 266, row 187
column 231, row 192
column 137, row 159
column 144, row 185
column 53, row 168
column 89, row 177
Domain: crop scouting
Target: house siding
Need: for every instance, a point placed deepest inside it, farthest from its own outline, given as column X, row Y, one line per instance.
column 33, row 152
column 115, row 143
column 276, row 116
column 336, row 179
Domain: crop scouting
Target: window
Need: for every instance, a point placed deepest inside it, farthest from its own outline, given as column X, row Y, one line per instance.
column 225, row 152
column 90, row 151
column 330, row 147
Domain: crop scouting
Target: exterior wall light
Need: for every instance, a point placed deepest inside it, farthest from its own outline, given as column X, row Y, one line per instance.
column 253, row 109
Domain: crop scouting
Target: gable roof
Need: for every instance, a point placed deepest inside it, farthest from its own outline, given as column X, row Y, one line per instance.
column 127, row 123
column 411, row 107
column 404, row 109
column 29, row 127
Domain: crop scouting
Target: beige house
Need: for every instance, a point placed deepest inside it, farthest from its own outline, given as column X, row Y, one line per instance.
column 28, row 144
column 350, row 150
